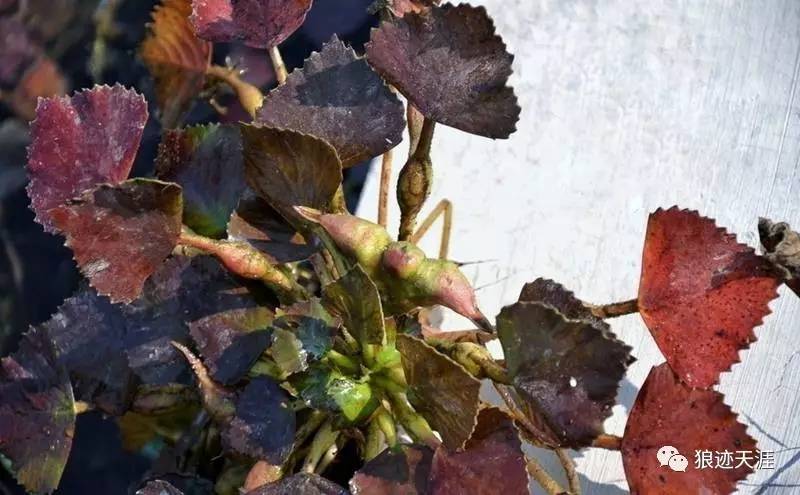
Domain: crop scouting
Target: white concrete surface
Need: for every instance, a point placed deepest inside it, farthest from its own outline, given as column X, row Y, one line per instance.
column 629, row 105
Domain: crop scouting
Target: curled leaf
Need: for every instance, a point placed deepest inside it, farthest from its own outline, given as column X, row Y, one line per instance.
column 176, row 58
column 668, row 413
column 355, row 299
column 264, row 424
column 567, row 371
column 121, row 234
column 782, row 248
column 492, row 460
column 337, row 97
column 404, row 470
column 441, row 390
column 701, row 293
column 451, row 65
column 300, row 484
column 206, row 161
column 232, row 340
column 256, row 23
column 290, row 168
column 558, row 297
column 79, row 142
column 37, row 413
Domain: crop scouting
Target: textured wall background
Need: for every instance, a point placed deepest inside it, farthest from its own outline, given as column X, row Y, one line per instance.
column 629, row 105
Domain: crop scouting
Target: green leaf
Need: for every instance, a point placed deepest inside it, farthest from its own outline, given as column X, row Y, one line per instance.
column 323, row 388
column 355, row 299
column 207, row 163
column 441, row 390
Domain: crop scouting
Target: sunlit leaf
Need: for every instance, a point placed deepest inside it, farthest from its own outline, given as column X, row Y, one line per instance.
column 256, row 23
column 37, row 413
column 300, row 484
column 327, row 389
column 121, row 234
column 701, row 293
column 404, row 470
column 492, row 460
column 567, row 371
column 668, row 413
column 206, row 161
column 355, row 299
column 81, row 141
column 287, row 351
column 231, row 341
column 158, row 487
column 337, row 97
column 258, row 224
column 558, row 297
column 264, row 424
column 451, row 65
column 782, row 247
column 312, row 324
column 176, row 58
column 290, row 168
column 441, row 390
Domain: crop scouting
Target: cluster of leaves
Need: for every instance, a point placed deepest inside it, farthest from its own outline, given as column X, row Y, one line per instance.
column 239, row 268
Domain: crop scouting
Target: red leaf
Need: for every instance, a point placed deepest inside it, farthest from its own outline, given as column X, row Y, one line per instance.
column 701, row 293
column 256, row 23
column 492, row 461
column 668, row 413
column 121, row 234
column 451, row 65
column 81, row 141
column 176, row 58
column 404, row 470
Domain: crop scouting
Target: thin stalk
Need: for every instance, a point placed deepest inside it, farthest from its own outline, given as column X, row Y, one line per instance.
column 325, row 437
column 414, row 424
column 414, row 183
column 344, row 363
column 507, row 395
column 383, row 194
column 608, row 442
column 613, row 310
column 544, row 479
column 277, row 63
column 374, row 443
column 385, row 422
column 445, row 209
column 328, row 457
column 249, row 96
column 568, row 464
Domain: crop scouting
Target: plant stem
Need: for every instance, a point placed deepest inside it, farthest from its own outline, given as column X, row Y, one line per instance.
column 327, row 458
column 249, row 96
column 568, row 464
column 613, row 310
column 608, row 442
column 544, row 479
column 277, row 63
column 383, row 194
column 325, row 437
column 477, row 355
column 414, row 183
column 414, row 424
column 216, row 399
column 246, row 261
column 386, row 424
column 445, row 209
column 374, row 443
column 344, row 363
column 510, row 400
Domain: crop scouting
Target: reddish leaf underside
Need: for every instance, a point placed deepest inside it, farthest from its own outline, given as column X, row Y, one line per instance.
column 492, row 461
column 176, row 58
column 441, row 390
column 567, row 371
column 337, row 97
column 79, row 142
column 206, row 161
column 404, row 470
column 121, row 234
column 37, row 413
column 701, row 294
column 669, row 413
column 451, row 65
column 256, row 23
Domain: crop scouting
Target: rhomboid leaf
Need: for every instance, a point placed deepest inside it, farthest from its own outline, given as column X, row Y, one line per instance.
column 451, row 65
column 567, row 371
column 337, row 97
column 670, row 414
column 290, row 168
column 701, row 293
column 256, row 23
column 121, row 234
column 206, row 161
column 79, row 142
column 176, row 58
column 37, row 413
column 441, row 390
column 355, row 299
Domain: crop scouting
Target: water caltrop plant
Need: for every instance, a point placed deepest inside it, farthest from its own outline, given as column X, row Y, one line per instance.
column 251, row 335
